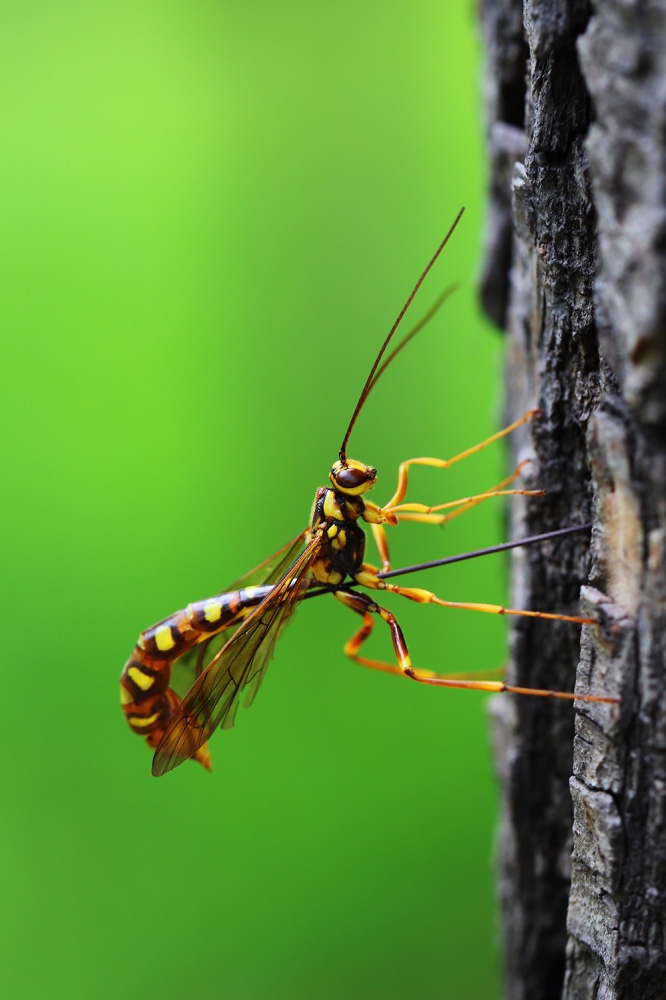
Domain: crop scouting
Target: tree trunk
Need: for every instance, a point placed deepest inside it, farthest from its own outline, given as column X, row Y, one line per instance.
column 575, row 273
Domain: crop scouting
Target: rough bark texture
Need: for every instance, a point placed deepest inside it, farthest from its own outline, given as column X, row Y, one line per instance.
column 576, row 272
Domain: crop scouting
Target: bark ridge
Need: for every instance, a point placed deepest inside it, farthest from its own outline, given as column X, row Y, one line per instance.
column 575, row 271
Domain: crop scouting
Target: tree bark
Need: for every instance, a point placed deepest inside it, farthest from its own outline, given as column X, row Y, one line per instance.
column 575, row 272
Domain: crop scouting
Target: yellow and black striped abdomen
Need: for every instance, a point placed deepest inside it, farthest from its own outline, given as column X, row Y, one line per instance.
column 145, row 695
column 225, row 610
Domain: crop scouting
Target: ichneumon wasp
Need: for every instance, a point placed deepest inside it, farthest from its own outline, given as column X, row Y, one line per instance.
column 188, row 652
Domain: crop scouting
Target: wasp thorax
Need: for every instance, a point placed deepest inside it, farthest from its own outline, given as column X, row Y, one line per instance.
column 353, row 477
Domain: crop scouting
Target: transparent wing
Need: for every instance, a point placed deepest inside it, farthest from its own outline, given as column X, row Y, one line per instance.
column 191, row 664
column 214, row 698
column 271, row 569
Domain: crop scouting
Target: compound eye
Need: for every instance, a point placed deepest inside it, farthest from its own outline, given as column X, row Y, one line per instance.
column 351, row 479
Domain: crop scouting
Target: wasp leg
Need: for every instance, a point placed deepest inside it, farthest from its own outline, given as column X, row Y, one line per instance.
column 427, row 597
column 367, row 577
column 421, row 508
column 444, row 463
column 427, row 515
column 363, row 605
column 366, row 607
column 443, row 518
column 381, row 541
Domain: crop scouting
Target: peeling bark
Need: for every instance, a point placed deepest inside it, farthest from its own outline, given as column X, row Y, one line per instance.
column 575, row 271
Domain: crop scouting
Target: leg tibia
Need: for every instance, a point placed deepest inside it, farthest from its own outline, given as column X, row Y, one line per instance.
column 500, row 686
column 468, row 505
column 427, row 597
column 363, row 605
column 440, row 463
column 421, row 508
column 381, row 541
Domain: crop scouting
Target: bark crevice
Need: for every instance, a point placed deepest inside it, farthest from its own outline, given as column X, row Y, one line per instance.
column 575, row 272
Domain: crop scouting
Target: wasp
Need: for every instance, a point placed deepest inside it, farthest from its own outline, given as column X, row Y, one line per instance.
column 185, row 678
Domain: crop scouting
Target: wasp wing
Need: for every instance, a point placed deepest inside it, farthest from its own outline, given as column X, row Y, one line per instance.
column 213, row 699
column 192, row 663
column 271, row 569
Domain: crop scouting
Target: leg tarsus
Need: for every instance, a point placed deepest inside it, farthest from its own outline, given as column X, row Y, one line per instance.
column 421, row 508
column 444, row 463
column 469, row 504
column 499, row 686
column 362, row 604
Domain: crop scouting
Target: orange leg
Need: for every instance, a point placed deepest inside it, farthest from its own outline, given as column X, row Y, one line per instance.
column 381, row 541
column 421, row 508
column 425, row 515
column 427, row 597
column 366, row 607
column 444, row 463
column 367, row 577
column 363, row 605
column 443, row 518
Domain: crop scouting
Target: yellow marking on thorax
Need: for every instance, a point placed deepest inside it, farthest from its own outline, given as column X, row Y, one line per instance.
column 125, row 696
column 332, row 531
column 143, row 681
column 324, row 572
column 137, row 720
column 331, row 508
column 164, row 639
column 213, row 611
column 340, row 541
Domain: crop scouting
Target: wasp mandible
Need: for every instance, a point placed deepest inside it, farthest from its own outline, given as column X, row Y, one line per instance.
column 328, row 557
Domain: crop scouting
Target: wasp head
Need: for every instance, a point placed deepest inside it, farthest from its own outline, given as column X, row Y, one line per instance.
column 353, row 477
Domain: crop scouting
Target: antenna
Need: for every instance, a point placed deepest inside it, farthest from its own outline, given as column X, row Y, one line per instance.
column 371, row 377
column 533, row 540
column 434, row 308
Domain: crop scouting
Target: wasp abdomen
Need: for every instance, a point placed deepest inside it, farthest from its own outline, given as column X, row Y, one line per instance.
column 170, row 638
column 146, row 698
column 216, row 613
column 149, row 714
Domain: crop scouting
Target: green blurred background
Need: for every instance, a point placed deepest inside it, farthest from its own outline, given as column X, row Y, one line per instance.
column 212, row 211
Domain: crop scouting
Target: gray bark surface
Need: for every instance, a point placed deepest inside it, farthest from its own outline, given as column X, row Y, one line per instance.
column 575, row 272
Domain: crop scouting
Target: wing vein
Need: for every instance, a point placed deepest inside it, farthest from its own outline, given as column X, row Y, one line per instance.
column 213, row 699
